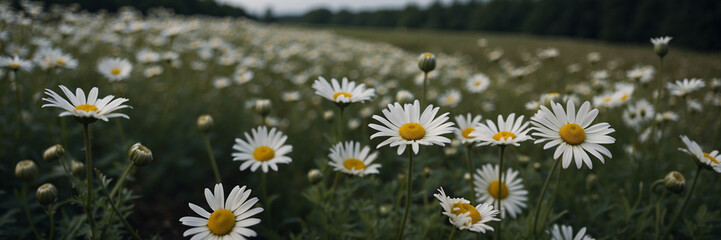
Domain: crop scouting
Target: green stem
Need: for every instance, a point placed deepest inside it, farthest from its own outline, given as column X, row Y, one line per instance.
column 659, row 215
column 685, row 202
column 121, row 180
column 266, row 200
column 502, row 149
column 408, row 194
column 540, row 199
column 470, row 170
column 340, row 125
column 453, row 232
column 212, row 159
column 51, row 214
column 332, row 188
column 89, row 177
column 23, row 197
column 425, row 80
column 115, row 210
column 555, row 192
column 17, row 106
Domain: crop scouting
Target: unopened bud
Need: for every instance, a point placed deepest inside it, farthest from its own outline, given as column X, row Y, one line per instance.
column 385, row 209
column 262, row 107
column 426, row 172
column 46, row 194
column 467, row 177
column 26, row 170
column 205, row 123
column 674, row 182
column 328, row 116
column 591, row 180
column 77, row 167
column 427, row 62
column 314, row 176
column 140, row 155
column 53, row 153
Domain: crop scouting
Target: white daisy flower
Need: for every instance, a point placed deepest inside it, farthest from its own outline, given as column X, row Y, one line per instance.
column 406, row 125
column 264, row 149
column 512, row 131
column 16, row 63
column 624, row 92
column 349, row 158
column 636, row 114
column 566, row 233
column 661, row 40
column 90, row 108
column 230, row 219
column 479, row 82
column 642, row 74
column 115, row 68
column 147, row 56
column 466, row 125
column 607, row 100
column 707, row 160
column 683, row 87
column 571, row 132
column 464, row 216
column 513, row 195
column 450, row 99
column 345, row 92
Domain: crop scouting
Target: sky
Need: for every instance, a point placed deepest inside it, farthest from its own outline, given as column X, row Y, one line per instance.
column 296, row 7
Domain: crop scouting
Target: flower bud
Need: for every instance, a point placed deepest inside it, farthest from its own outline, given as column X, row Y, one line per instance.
column 674, row 182
column 660, row 45
column 385, row 209
column 591, row 180
column 205, row 123
column 328, row 116
column 77, row 167
column 262, row 107
column 427, row 62
column 426, row 172
column 46, row 194
column 467, row 177
column 314, row 176
column 26, row 170
column 140, row 155
column 53, row 153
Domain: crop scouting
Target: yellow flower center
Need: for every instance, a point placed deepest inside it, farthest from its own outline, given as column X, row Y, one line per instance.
column 461, row 208
column 710, row 158
column 115, row 71
column 14, row 65
column 354, row 164
column 467, row 132
column 607, row 99
column 412, row 131
column 624, row 97
column 572, row 134
column 477, row 84
column 86, row 107
column 60, row 62
column 427, row 55
column 493, row 189
column 503, row 134
column 338, row 94
column 221, row 222
column 263, row 153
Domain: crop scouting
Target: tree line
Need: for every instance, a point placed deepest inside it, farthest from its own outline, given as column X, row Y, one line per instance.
column 183, row 7
column 694, row 24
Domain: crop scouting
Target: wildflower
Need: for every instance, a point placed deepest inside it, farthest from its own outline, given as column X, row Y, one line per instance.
column 466, row 125
column 513, row 196
column 707, row 160
column 86, row 109
column 349, row 158
column 115, row 69
column 512, row 131
column 566, row 233
column 464, row 216
column 406, row 125
column 264, row 149
column 230, row 218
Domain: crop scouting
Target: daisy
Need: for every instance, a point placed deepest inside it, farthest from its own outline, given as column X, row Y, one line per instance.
column 623, row 93
column 115, row 68
column 513, row 195
column 566, row 233
column 512, row 131
column 147, row 56
column 478, row 83
column 351, row 159
column 707, row 160
column 464, row 216
column 16, row 63
column 638, row 113
column 607, row 100
column 660, row 45
column 642, row 74
column 683, row 87
column 90, row 108
column 230, row 218
column 466, row 125
column 264, row 149
column 572, row 133
column 406, row 125
column 345, row 92
column 450, row 99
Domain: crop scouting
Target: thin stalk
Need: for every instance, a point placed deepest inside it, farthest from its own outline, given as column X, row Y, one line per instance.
column 89, row 177
column 685, row 202
column 555, row 192
column 212, row 159
column 502, row 149
column 470, row 171
column 121, row 180
column 266, row 200
column 540, row 199
column 18, row 101
column 408, row 194
column 115, row 210
column 332, row 188
column 24, row 199
column 51, row 214
column 659, row 215
column 453, row 232
column 340, row 125
column 425, row 80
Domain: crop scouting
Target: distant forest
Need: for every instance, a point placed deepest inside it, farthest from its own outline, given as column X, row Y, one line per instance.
column 184, row 7
column 692, row 23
